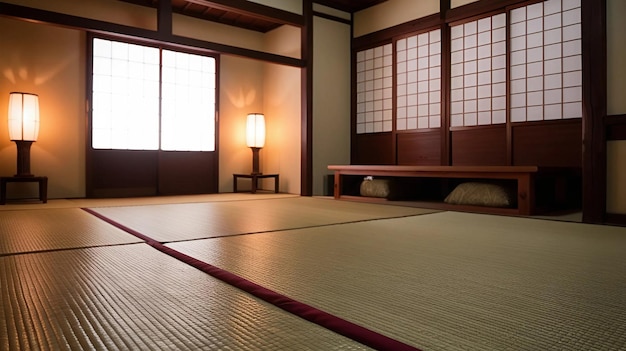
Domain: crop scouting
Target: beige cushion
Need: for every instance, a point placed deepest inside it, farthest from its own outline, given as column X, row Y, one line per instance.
column 480, row 194
column 376, row 188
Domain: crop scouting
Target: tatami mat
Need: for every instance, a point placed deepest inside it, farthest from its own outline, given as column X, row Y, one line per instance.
column 54, row 229
column 137, row 201
column 448, row 281
column 133, row 297
column 176, row 222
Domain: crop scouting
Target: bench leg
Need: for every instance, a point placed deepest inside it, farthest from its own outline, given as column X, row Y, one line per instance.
column 526, row 194
column 337, row 185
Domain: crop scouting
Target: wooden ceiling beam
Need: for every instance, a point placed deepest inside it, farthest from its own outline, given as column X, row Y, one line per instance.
column 254, row 10
column 150, row 36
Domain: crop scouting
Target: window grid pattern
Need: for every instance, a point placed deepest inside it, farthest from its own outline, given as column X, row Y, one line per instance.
column 125, row 96
column 188, row 102
column 546, row 61
column 374, row 90
column 478, row 72
column 418, row 81
column 145, row 98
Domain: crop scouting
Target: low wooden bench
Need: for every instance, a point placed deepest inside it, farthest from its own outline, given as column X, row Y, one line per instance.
column 525, row 176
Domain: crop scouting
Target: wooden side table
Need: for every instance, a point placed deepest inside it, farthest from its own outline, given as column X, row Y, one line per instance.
column 255, row 178
column 43, row 186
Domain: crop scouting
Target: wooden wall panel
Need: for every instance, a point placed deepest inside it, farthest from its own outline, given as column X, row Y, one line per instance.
column 479, row 146
column 122, row 173
column 549, row 144
column 421, row 149
column 373, row 149
column 187, row 173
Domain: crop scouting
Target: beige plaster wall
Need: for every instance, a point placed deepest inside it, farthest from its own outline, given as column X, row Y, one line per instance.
column 457, row 3
column 616, row 52
column 391, row 13
column 241, row 82
column 294, row 6
column 331, row 98
column 616, row 104
column 196, row 28
column 104, row 10
column 282, row 107
column 48, row 61
column 331, row 11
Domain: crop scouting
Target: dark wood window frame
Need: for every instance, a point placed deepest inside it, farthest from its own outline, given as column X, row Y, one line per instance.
column 148, row 172
column 593, row 123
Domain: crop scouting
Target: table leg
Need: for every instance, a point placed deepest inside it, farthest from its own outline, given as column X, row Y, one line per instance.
column 234, row 183
column 3, row 192
column 254, row 184
column 43, row 190
column 276, row 184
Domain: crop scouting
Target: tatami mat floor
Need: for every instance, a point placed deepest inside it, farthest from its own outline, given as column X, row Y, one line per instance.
column 448, row 281
column 432, row 280
column 133, row 297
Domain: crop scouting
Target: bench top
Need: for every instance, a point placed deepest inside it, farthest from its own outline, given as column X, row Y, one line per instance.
column 459, row 169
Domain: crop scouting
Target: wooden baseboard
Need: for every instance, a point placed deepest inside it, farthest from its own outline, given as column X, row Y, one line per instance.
column 615, row 219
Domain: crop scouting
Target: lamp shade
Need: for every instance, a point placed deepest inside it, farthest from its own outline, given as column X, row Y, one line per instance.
column 23, row 116
column 255, row 130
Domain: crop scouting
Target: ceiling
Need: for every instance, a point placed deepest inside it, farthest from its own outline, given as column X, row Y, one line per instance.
column 204, row 10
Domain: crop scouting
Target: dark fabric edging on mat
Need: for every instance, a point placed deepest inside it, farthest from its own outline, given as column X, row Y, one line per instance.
column 302, row 310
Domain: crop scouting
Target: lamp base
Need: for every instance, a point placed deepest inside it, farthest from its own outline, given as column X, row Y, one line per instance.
column 255, row 160
column 23, row 158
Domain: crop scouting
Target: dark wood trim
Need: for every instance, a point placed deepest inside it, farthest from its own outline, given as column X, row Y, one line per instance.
column 594, row 109
column 89, row 159
column 353, row 96
column 253, row 9
column 196, row 180
column 477, row 127
column 155, row 37
column 306, row 161
column 332, row 18
column 615, row 119
column 446, row 150
column 164, row 17
column 480, row 8
column 616, row 127
column 509, row 128
column 385, row 35
column 615, row 219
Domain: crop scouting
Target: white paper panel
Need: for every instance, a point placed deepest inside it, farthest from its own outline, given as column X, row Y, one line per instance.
column 556, row 68
column 419, row 86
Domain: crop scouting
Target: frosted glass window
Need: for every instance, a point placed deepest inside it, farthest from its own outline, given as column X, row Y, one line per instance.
column 375, row 80
column 426, row 66
column 553, row 65
column 477, row 65
column 188, row 102
column 125, row 112
column 134, row 107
